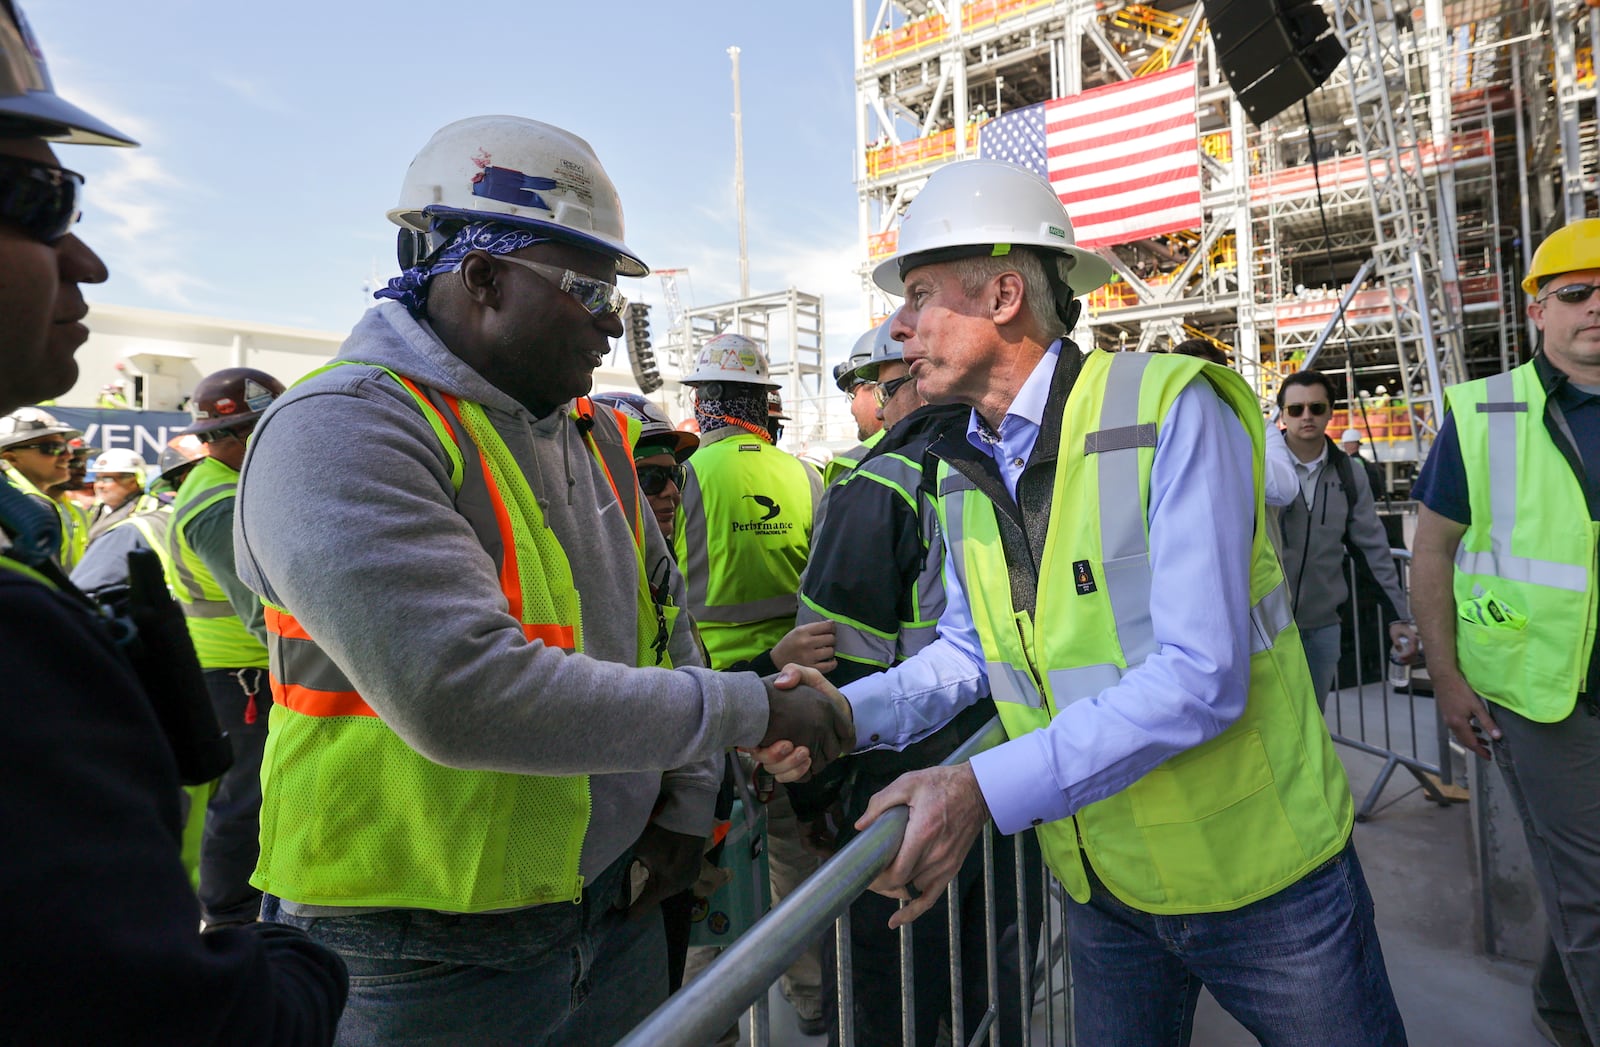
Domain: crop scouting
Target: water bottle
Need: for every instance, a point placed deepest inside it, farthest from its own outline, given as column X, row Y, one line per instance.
column 1399, row 664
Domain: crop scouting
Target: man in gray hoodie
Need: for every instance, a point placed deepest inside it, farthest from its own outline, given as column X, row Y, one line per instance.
column 464, row 742
column 1335, row 511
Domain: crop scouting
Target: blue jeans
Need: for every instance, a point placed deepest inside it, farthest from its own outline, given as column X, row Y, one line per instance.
column 557, row 975
column 1322, row 655
column 1301, row 968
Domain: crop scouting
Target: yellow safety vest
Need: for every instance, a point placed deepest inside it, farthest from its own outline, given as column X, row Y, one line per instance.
column 745, row 536
column 1231, row 821
column 1525, row 569
column 353, row 816
column 220, row 637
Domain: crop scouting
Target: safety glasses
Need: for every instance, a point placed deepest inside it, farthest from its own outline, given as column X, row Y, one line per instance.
column 1573, row 294
column 40, row 199
column 1318, row 409
column 653, row 478
column 885, row 391
column 598, row 297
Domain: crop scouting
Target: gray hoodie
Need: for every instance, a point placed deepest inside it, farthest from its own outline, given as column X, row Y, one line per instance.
column 345, row 518
column 1314, row 545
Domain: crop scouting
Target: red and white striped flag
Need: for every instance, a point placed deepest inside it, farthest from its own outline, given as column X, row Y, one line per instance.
column 1125, row 158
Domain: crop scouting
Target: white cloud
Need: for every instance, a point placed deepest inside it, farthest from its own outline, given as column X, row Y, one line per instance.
column 134, row 226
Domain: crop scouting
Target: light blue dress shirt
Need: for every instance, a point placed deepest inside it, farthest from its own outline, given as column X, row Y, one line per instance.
column 1201, row 520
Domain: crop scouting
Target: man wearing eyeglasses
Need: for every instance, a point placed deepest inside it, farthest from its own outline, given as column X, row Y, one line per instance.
column 1503, row 579
column 1335, row 512
column 100, row 923
column 36, row 455
column 475, row 733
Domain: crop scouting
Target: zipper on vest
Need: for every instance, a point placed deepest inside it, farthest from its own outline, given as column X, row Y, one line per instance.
column 577, row 899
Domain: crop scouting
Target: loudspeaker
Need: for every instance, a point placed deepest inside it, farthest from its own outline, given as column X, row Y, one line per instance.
column 1272, row 52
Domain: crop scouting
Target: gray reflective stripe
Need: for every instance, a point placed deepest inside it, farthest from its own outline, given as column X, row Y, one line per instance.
column 892, row 468
column 1271, row 615
column 1502, row 463
column 1007, row 683
column 784, row 606
column 198, row 608
column 697, row 562
column 1521, row 569
column 1074, row 685
column 861, row 646
column 302, row 663
column 955, row 501
column 1104, row 440
column 191, row 593
column 1503, row 408
column 914, row 638
column 930, row 581
column 1125, row 548
column 952, row 481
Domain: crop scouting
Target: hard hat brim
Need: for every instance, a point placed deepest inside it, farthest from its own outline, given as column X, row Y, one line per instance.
column 13, row 439
column 57, row 120
column 1088, row 271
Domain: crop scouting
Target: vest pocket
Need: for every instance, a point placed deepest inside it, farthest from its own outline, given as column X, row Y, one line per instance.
column 1180, row 791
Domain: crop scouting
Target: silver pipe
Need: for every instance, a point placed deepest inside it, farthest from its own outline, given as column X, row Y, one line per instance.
column 701, row 1010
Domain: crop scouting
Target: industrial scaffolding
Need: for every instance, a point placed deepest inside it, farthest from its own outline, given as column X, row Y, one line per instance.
column 1453, row 137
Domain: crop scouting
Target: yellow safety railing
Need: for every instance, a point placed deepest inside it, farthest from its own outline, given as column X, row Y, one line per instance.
column 886, row 158
column 933, row 28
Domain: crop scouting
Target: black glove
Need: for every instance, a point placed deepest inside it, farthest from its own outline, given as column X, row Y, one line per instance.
column 165, row 661
column 815, row 719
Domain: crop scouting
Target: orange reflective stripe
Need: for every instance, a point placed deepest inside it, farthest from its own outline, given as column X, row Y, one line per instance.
column 585, row 410
column 560, row 636
column 282, row 623
column 510, row 580
column 310, row 702
column 417, row 395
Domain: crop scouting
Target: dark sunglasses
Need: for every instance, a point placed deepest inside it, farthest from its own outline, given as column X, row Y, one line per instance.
column 54, row 450
column 1318, row 409
column 885, row 392
column 40, row 199
column 653, row 478
column 1573, row 294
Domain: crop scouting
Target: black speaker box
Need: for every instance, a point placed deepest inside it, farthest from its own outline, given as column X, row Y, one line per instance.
column 1272, row 53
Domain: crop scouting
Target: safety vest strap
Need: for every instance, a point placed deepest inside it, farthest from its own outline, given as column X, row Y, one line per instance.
column 616, row 460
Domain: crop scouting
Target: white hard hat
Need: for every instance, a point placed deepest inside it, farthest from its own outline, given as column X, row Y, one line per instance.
column 30, row 423
column 518, row 171
column 884, row 349
column 848, row 373
column 1351, row 436
column 119, row 460
column 987, row 204
column 730, row 358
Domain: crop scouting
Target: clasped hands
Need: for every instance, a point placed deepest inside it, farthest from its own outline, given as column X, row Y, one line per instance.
column 810, row 724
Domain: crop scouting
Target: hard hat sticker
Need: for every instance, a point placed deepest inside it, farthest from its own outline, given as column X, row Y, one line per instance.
column 256, row 395
column 512, row 187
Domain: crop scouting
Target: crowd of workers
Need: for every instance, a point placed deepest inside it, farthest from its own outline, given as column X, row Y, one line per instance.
column 436, row 751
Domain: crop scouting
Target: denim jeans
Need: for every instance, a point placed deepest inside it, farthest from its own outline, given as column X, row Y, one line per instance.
column 1301, row 968
column 557, row 975
column 1322, row 655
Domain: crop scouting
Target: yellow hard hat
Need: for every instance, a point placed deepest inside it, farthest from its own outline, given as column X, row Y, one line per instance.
column 1574, row 246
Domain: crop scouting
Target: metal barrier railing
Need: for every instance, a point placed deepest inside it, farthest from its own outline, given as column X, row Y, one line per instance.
column 1387, row 722
column 739, row 979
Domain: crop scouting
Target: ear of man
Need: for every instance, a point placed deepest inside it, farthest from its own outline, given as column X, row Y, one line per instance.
column 1006, row 301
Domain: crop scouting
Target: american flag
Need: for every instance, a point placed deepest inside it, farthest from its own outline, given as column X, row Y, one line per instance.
column 1124, row 158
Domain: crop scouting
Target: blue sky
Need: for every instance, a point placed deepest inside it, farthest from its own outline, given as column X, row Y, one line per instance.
column 276, row 135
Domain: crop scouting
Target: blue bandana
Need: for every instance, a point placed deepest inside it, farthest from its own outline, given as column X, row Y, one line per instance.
column 410, row 288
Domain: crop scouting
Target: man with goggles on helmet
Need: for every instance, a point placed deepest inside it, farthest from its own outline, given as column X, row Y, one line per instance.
column 488, row 711
column 100, row 921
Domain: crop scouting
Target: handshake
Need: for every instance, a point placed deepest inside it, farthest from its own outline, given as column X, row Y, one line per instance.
column 809, row 724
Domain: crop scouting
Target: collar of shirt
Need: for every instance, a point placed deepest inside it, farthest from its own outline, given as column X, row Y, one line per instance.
column 1313, row 465
column 1012, row 446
